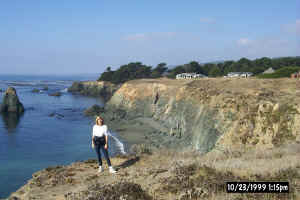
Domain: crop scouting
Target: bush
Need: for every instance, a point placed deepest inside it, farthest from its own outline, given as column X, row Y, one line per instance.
column 127, row 72
column 281, row 73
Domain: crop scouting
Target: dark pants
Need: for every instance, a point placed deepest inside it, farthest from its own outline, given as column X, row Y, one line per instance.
column 105, row 152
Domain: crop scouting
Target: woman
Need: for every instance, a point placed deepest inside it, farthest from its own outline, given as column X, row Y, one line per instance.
column 100, row 141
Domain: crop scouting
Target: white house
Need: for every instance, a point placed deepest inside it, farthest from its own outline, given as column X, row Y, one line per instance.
column 189, row 76
column 239, row 74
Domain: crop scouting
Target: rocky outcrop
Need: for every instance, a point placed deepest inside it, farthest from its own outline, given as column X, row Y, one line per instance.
column 93, row 110
column 11, row 102
column 55, row 94
column 57, row 115
column 94, row 88
column 207, row 113
column 35, row 90
column 45, row 88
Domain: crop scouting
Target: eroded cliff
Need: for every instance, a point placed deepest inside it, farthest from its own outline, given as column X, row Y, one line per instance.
column 225, row 113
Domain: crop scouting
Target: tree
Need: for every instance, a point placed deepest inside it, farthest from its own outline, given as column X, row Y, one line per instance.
column 282, row 72
column 215, row 71
column 207, row 67
column 108, row 69
column 137, row 70
column 159, row 70
column 227, row 67
column 126, row 72
column 177, row 70
column 193, row 67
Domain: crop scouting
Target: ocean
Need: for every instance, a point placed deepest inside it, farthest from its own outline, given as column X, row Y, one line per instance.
column 52, row 131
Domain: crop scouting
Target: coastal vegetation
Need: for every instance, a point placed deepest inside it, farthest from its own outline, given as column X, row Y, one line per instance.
column 284, row 66
column 132, row 71
column 281, row 73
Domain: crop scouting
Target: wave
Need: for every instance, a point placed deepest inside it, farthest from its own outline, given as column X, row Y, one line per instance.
column 64, row 90
column 38, row 83
column 19, row 83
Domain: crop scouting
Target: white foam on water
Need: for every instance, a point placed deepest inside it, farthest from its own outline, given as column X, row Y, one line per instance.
column 64, row 90
column 120, row 145
column 21, row 83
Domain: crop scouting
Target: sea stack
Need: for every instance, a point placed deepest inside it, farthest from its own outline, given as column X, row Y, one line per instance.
column 11, row 102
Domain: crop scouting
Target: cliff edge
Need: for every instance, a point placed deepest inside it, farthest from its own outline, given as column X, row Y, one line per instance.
column 214, row 112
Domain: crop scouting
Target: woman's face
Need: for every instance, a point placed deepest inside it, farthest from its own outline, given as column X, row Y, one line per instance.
column 99, row 121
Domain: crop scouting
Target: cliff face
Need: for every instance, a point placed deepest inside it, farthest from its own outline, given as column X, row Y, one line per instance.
column 216, row 112
column 94, row 88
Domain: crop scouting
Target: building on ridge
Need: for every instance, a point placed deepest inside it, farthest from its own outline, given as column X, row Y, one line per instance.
column 270, row 70
column 190, row 76
column 239, row 74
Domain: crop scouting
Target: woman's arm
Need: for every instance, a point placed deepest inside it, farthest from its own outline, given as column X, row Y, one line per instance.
column 106, row 137
column 93, row 145
column 106, row 142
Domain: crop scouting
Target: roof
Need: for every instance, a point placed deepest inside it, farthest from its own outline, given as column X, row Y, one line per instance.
column 269, row 71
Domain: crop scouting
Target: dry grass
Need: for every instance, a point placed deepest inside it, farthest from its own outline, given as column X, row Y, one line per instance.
column 279, row 89
column 256, row 161
column 169, row 175
column 217, row 167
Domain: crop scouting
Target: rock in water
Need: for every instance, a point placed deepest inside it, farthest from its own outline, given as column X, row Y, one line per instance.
column 11, row 102
column 55, row 94
column 94, row 110
column 35, row 90
column 45, row 88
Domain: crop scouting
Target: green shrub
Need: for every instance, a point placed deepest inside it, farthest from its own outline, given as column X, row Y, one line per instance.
column 281, row 73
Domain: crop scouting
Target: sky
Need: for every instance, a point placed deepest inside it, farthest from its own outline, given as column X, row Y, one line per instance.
column 85, row 37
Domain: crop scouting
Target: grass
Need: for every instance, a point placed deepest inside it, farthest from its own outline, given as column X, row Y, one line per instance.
column 217, row 167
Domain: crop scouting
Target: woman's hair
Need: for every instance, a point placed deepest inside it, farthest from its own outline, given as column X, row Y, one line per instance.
column 98, row 118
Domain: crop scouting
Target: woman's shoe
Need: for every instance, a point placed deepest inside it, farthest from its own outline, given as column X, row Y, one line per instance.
column 112, row 170
column 100, row 169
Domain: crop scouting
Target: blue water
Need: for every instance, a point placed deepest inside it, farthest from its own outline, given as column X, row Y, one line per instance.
column 36, row 140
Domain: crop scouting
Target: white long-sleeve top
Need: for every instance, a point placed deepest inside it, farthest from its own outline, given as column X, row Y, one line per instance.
column 100, row 131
